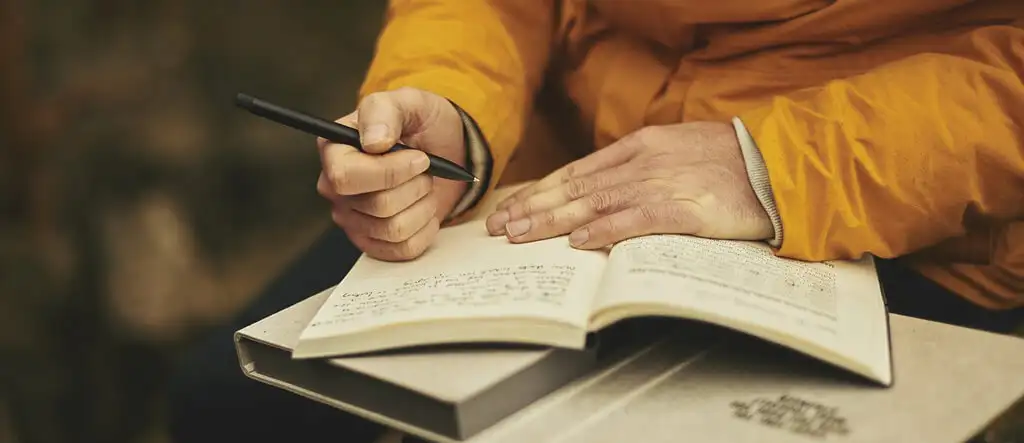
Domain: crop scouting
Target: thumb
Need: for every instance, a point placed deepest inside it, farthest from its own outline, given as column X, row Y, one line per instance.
column 385, row 116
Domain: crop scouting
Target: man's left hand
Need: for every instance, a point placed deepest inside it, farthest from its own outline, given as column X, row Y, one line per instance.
column 687, row 178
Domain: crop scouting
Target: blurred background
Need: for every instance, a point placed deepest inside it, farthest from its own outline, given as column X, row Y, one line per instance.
column 139, row 206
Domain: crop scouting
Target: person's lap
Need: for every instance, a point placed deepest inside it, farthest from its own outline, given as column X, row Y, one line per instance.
column 212, row 401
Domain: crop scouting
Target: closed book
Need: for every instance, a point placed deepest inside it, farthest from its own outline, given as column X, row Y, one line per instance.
column 451, row 393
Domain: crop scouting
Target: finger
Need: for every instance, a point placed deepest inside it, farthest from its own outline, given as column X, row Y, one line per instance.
column 323, row 144
column 565, row 218
column 384, row 116
column 334, row 182
column 551, row 223
column 351, row 172
column 635, row 221
column 407, row 250
column 351, row 120
column 558, row 196
column 609, row 157
column 390, row 202
column 395, row 229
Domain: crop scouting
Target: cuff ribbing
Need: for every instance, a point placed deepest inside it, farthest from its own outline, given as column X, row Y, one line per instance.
column 757, row 173
column 478, row 161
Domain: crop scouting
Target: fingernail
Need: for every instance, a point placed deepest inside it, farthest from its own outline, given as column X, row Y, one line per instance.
column 579, row 237
column 420, row 163
column 374, row 134
column 518, row 227
column 497, row 221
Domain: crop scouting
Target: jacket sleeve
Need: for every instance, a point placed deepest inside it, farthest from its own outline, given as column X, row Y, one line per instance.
column 902, row 157
column 485, row 56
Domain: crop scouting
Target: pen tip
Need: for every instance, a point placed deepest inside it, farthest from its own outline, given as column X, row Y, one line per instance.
column 244, row 100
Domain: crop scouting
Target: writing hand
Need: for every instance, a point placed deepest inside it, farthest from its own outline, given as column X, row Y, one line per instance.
column 384, row 202
column 687, row 178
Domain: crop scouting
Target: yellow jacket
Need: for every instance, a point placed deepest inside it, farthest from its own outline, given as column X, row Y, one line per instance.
column 892, row 128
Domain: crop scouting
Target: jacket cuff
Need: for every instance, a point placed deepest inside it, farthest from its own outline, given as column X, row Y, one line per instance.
column 757, row 173
column 478, row 161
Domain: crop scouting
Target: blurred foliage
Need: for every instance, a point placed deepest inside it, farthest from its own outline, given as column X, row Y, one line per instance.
column 129, row 183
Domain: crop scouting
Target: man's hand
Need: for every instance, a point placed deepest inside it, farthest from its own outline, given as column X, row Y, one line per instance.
column 384, row 202
column 687, row 178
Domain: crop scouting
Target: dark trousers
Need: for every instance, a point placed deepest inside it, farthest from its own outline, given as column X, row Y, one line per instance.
column 212, row 401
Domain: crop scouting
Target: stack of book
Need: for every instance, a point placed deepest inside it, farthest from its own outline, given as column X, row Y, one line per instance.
column 484, row 341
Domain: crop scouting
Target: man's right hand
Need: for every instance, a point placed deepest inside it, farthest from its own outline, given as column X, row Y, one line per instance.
column 384, row 202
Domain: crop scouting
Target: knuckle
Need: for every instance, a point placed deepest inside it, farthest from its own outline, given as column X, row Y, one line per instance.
column 635, row 192
column 525, row 207
column 339, row 180
column 601, row 202
column 381, row 204
column 570, row 171
column 549, row 218
column 576, row 188
column 392, row 230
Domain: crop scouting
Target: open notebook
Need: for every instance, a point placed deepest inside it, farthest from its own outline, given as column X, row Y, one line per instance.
column 473, row 288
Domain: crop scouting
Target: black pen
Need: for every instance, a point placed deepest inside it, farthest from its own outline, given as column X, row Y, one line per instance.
column 339, row 133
